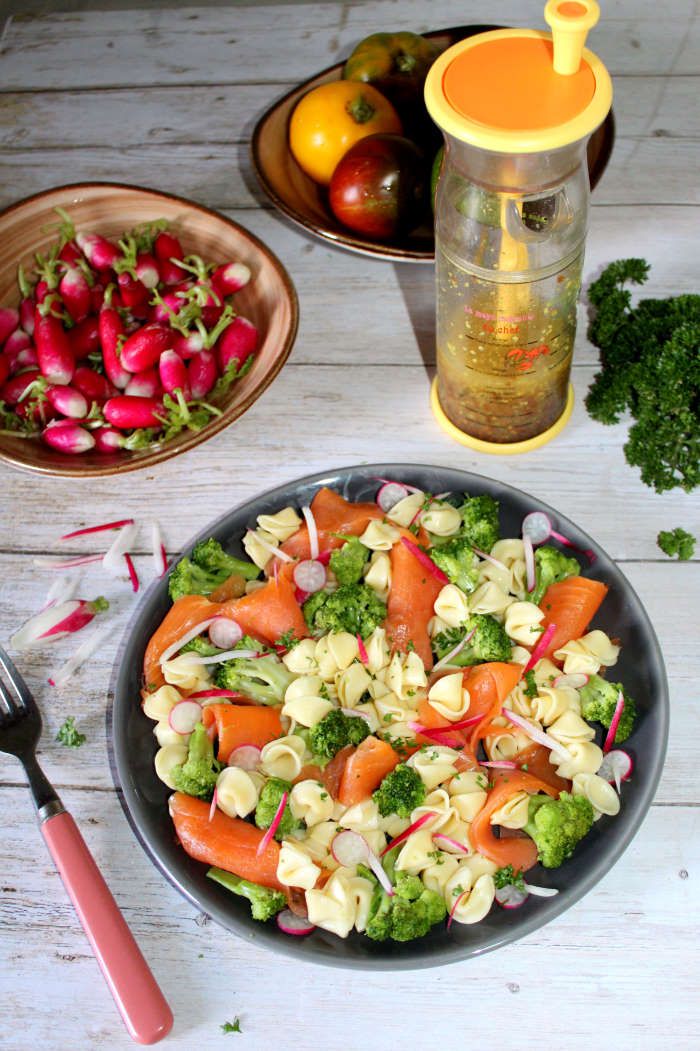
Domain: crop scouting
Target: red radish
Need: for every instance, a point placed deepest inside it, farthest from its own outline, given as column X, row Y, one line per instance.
column 614, row 722
column 202, row 373
column 575, row 680
column 133, row 575
column 111, row 330
column 224, row 655
column 362, row 650
column 68, row 401
column 537, row 735
column 108, row 440
column 246, row 756
column 85, row 337
column 409, row 831
column 75, row 293
column 233, row 695
column 354, row 713
column 225, row 633
column 541, row 892
column 126, row 411
column 70, row 253
column 68, row 437
column 85, row 650
column 350, row 848
column 9, row 320
column 540, row 648
column 453, row 910
column 56, row 360
column 133, row 293
column 12, row 391
column 99, row 252
column 230, row 278
column 616, row 767
column 262, row 845
column 530, row 574
column 147, row 270
column 309, row 576
column 160, row 557
column 290, row 923
column 313, row 531
column 176, row 646
column 425, row 560
column 390, row 494
column 144, row 384
column 510, row 896
column 184, row 716
column 538, row 526
column 163, row 309
column 16, row 341
column 447, row 843
column 25, row 359
column 489, row 558
column 114, row 555
column 4, row 368
column 188, row 346
column 94, row 386
column 145, row 346
column 441, row 735
column 26, row 314
column 97, row 297
column 173, row 373
column 104, row 527
column 499, row 764
column 444, row 661
column 214, row 801
column 171, row 273
column 67, row 563
column 57, row 620
column 238, row 341
column 166, row 245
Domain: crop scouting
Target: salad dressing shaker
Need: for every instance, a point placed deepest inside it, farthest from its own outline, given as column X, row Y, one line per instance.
column 516, row 107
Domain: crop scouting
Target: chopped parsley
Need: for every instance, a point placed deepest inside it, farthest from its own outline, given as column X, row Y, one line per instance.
column 507, row 877
column 69, row 735
column 531, row 686
column 287, row 640
column 232, row 1027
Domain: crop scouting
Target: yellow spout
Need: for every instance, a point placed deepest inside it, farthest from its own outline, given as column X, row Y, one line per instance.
column 570, row 21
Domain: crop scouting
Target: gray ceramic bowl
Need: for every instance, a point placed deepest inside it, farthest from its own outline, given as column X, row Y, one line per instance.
column 640, row 667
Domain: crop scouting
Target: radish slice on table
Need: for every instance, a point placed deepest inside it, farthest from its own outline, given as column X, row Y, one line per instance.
column 425, row 560
column 246, row 756
column 616, row 767
column 537, row 735
column 184, row 716
column 171, row 650
column 61, row 590
column 541, row 892
column 66, row 563
column 113, row 557
column 614, row 722
column 56, row 621
column 510, row 896
column 540, row 648
column 538, row 526
column 529, row 563
column 390, row 494
column 262, row 845
column 224, row 632
column 313, row 532
column 212, row 808
column 133, row 575
column 576, row 680
column 453, row 653
column 83, row 652
column 489, row 558
column 409, row 831
column 290, row 923
column 160, row 558
column 452, row 846
column 98, row 528
column 309, row 576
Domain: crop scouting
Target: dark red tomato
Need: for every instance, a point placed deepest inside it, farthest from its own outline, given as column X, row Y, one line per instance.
column 379, row 187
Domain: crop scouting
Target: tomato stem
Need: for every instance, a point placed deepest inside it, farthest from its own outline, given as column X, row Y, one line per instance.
column 360, row 109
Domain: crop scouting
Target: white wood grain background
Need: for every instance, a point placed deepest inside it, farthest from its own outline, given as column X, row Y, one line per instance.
column 168, row 97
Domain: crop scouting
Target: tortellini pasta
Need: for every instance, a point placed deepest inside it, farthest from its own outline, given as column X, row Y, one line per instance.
column 601, row 795
column 165, row 734
column 588, row 654
column 449, row 697
column 259, row 546
column 301, row 659
column 378, row 651
column 552, row 701
column 404, row 675
column 185, row 673
column 404, row 512
column 514, row 812
column 311, row 803
column 341, row 904
column 469, row 899
column 364, row 815
column 523, row 621
column 570, row 727
column 452, row 606
column 441, row 519
column 318, row 841
column 416, row 853
column 437, row 875
column 158, row 705
column 489, row 597
column 281, row 525
column 166, row 759
column 303, row 701
column 238, row 791
column 283, row 758
column 377, row 574
column 352, row 684
column 434, row 764
column 335, row 652
column 295, row 867
column 585, row 757
column 380, row 536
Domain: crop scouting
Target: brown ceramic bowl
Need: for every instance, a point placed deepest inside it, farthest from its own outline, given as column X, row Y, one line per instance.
column 306, row 203
column 269, row 301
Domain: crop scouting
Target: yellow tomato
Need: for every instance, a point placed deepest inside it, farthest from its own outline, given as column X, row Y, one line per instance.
column 333, row 117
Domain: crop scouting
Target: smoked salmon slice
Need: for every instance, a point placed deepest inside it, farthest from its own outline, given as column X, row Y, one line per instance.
column 365, row 770
column 520, row 853
column 332, row 514
column 571, row 605
column 238, row 724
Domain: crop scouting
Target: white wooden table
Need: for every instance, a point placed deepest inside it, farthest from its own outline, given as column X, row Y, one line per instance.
column 167, row 97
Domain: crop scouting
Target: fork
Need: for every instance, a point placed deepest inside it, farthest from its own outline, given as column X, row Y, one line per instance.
column 143, row 1007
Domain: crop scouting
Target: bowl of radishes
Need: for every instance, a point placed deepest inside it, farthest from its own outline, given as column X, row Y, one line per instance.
column 133, row 326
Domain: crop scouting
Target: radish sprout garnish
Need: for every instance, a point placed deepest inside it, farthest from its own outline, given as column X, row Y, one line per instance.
column 529, row 563
column 262, row 845
column 225, row 633
column 309, row 576
column 184, row 716
column 246, row 756
column 56, row 621
column 98, row 528
column 362, row 650
column 160, row 558
column 290, row 923
column 350, row 848
column 540, row 648
column 212, row 808
column 313, row 532
column 489, row 558
column 171, row 650
column 425, row 560
column 615, row 722
column 453, row 653
column 449, row 844
column 83, row 652
column 409, row 831
column 538, row 526
column 390, row 494
column 575, row 680
column 536, row 734
column 133, row 575
column 616, row 767
column 510, row 896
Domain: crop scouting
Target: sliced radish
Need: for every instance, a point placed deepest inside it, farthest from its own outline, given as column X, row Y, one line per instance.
column 529, row 563
column 425, row 560
column 184, row 716
column 614, row 723
column 246, row 756
column 113, row 557
column 262, row 845
column 171, row 650
column 225, row 633
column 540, row 648
column 65, row 563
column 350, row 848
column 133, row 575
column 98, row 528
column 409, row 831
column 440, row 735
column 362, row 650
column 500, row 764
column 212, row 808
column 83, row 652
column 541, row 892
column 453, row 910
column 576, row 680
column 537, row 735
column 453, row 653
column 510, row 896
column 537, row 527
column 390, row 494
column 309, row 576
column 62, row 589
column 273, row 550
column 435, row 732
column 160, row 558
column 235, row 695
column 489, row 558
column 616, row 767
column 313, row 532
column 452, row 846
column 290, row 923
column 226, row 655
column 352, row 713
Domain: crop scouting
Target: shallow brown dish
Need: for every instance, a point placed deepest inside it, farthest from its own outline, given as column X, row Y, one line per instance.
column 269, row 301
column 305, row 202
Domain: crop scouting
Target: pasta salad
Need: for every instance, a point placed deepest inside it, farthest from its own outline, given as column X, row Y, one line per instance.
column 387, row 715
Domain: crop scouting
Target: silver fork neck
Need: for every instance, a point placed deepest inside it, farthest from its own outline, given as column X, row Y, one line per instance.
column 50, row 810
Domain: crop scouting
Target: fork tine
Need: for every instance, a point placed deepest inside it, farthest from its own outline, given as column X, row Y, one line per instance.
column 16, row 680
column 7, row 705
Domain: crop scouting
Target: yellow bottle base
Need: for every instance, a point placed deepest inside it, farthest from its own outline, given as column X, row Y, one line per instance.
column 499, row 448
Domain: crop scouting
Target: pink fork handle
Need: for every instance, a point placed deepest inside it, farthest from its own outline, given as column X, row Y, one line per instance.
column 143, row 1007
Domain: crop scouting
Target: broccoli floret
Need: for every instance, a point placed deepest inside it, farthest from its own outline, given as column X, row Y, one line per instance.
column 264, row 901
column 197, row 775
column 348, row 561
column 599, row 700
column 457, row 560
column 408, row 914
column 489, row 641
column 268, row 803
column 551, row 566
column 557, row 825
column 335, row 731
column 353, row 607
column 480, row 521
column 507, row 877
column 676, row 542
column 200, row 646
column 207, row 568
column 263, row 679
column 400, row 792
